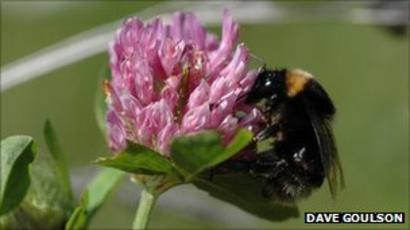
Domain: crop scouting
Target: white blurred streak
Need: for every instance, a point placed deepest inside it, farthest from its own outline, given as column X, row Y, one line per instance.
column 49, row 59
column 95, row 41
column 385, row 17
column 36, row 9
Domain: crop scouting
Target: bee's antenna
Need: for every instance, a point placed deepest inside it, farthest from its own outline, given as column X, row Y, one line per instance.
column 257, row 58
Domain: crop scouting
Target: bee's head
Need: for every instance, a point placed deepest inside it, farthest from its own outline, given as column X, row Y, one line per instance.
column 267, row 83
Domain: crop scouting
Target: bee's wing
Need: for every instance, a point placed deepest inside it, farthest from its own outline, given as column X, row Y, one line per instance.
column 327, row 147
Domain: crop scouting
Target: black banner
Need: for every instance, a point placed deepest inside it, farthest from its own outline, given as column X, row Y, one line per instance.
column 354, row 218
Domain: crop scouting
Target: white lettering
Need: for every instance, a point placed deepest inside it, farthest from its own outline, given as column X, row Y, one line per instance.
column 309, row 218
column 355, row 217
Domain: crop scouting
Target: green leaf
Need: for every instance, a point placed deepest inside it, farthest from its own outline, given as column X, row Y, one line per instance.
column 48, row 201
column 79, row 219
column 244, row 191
column 17, row 153
column 56, row 152
column 138, row 159
column 100, row 104
column 193, row 154
column 100, row 187
column 242, row 138
column 93, row 198
column 46, row 205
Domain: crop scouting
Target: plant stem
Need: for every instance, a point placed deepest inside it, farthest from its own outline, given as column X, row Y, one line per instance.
column 147, row 202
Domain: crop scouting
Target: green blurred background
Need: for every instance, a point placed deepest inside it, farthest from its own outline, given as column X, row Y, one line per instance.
column 364, row 68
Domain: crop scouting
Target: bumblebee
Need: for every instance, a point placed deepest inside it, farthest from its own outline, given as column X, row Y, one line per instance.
column 298, row 114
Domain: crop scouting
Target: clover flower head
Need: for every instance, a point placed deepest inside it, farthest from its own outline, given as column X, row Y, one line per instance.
column 177, row 79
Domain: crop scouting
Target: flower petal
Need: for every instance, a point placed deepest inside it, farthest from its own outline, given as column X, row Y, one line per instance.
column 199, row 96
column 170, row 95
column 230, row 34
column 173, row 79
column 165, row 136
column 223, row 108
column 228, row 127
column 196, row 119
column 219, row 88
column 171, row 54
column 247, row 82
column 236, row 69
column 116, row 133
column 151, row 120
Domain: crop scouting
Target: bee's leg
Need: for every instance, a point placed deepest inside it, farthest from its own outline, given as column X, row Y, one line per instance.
column 268, row 164
column 279, row 167
column 269, row 170
column 271, row 104
column 271, row 175
column 270, row 131
column 299, row 155
column 312, row 167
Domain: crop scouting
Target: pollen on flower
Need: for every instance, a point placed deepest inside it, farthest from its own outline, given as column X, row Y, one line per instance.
column 176, row 79
column 106, row 87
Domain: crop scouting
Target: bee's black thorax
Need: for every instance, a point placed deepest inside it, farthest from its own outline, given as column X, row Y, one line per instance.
column 292, row 166
column 295, row 144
